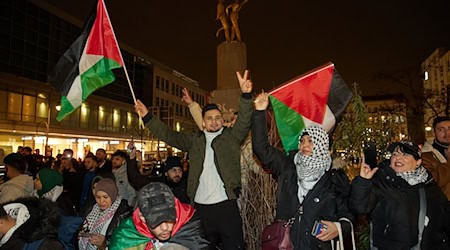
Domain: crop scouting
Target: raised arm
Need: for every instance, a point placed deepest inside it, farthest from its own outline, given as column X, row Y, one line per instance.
column 243, row 122
column 194, row 108
column 271, row 157
column 136, row 180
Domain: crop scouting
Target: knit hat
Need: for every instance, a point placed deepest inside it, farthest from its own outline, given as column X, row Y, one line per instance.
column 108, row 186
column 407, row 147
column 172, row 162
column 49, row 179
column 157, row 204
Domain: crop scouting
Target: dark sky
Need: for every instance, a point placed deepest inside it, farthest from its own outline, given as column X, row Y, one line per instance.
column 284, row 38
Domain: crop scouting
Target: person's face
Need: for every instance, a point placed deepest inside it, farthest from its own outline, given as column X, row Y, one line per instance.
column 442, row 132
column 90, row 163
column 212, row 120
column 37, row 183
column 103, row 200
column 100, row 155
column 163, row 231
column 117, row 161
column 93, row 188
column 174, row 174
column 306, row 145
column 402, row 162
column 65, row 163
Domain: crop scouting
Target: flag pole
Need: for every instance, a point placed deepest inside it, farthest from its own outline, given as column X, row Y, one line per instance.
column 141, row 122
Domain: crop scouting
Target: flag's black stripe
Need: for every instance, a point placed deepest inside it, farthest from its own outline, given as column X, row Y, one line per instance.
column 339, row 96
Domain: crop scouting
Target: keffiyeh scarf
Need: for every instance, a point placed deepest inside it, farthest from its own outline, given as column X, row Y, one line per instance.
column 311, row 168
column 95, row 221
column 20, row 214
column 414, row 177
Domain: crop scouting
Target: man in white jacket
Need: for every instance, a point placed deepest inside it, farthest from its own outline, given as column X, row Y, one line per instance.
column 19, row 184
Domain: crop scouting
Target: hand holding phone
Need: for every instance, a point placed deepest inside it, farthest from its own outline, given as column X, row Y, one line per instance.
column 317, row 228
column 370, row 154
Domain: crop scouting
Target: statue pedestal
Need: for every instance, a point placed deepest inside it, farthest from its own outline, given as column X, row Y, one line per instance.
column 231, row 57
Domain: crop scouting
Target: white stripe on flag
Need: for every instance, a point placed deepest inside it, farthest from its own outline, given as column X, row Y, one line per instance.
column 75, row 92
column 328, row 120
column 87, row 61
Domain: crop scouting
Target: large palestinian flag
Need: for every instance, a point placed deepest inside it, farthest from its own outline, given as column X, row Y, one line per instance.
column 315, row 98
column 87, row 65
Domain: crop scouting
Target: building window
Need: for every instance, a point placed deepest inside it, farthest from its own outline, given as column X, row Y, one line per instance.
column 167, row 86
column 116, row 119
column 101, row 118
column 173, row 88
column 157, row 82
column 177, row 90
column 14, row 106
column 84, row 116
column 157, row 101
column 29, row 108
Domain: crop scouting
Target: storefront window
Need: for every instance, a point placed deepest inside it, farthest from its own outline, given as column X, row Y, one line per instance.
column 29, row 108
column 14, row 106
column 41, row 110
column 116, row 120
column 101, row 118
column 84, row 116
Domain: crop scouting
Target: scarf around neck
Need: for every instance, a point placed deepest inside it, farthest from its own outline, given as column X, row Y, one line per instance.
column 312, row 167
column 416, row 176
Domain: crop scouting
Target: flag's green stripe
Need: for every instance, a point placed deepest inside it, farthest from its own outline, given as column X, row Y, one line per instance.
column 66, row 109
column 98, row 76
column 289, row 124
column 94, row 78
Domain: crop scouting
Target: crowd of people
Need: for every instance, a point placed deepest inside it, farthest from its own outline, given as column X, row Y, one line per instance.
column 111, row 204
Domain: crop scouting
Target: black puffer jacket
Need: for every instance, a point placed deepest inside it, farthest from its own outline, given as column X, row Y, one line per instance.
column 393, row 206
column 42, row 224
column 326, row 201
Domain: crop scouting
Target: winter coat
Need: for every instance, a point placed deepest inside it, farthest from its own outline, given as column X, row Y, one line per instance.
column 393, row 206
column 326, row 201
column 42, row 224
column 138, row 181
column 438, row 166
column 226, row 148
column 125, row 189
column 17, row 187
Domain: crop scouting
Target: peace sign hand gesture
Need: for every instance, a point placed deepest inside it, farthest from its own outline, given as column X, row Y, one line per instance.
column 244, row 82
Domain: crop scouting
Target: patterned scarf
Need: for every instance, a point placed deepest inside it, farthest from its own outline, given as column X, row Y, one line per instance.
column 54, row 193
column 310, row 168
column 95, row 221
column 20, row 214
column 414, row 177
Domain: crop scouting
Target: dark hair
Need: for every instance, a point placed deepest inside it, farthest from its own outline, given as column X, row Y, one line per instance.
column 27, row 149
column 102, row 150
column 440, row 119
column 14, row 160
column 120, row 153
column 209, row 107
column 92, row 156
column 68, row 150
column 3, row 213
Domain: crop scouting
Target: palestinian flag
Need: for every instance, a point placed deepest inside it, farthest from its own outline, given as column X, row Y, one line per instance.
column 315, row 98
column 87, row 65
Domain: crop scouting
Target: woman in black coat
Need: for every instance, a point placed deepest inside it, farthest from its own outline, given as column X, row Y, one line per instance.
column 390, row 195
column 307, row 186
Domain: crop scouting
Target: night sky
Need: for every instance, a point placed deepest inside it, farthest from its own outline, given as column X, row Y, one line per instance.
column 284, row 38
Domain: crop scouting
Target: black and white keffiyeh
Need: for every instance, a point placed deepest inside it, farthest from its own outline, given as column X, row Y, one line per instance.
column 311, row 167
column 96, row 220
column 416, row 176
column 19, row 212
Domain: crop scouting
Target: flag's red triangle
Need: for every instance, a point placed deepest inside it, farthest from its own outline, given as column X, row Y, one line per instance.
column 101, row 40
column 308, row 94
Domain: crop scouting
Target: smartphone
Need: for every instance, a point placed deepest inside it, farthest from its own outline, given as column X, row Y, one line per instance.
column 370, row 154
column 317, row 228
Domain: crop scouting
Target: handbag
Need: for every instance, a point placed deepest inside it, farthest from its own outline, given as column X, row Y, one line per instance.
column 277, row 234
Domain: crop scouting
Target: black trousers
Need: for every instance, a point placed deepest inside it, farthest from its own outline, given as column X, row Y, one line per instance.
column 223, row 224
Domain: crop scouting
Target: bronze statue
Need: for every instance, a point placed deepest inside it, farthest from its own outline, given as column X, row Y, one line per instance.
column 234, row 16
column 222, row 16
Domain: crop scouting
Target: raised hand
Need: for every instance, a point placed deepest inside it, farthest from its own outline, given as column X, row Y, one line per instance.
column 366, row 172
column 244, row 82
column 262, row 101
column 186, row 98
column 328, row 232
column 140, row 108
